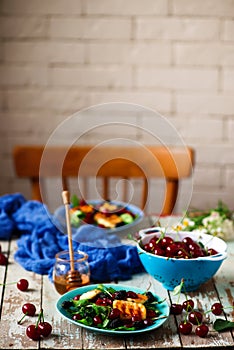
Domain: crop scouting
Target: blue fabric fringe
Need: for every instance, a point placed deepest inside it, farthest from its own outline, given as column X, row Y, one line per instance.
column 39, row 240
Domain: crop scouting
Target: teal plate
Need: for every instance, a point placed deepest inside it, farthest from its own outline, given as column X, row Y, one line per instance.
column 162, row 307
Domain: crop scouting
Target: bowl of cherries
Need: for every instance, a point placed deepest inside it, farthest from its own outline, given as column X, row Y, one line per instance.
column 172, row 256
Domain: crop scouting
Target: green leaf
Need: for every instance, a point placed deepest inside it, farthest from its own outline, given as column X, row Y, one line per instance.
column 75, row 220
column 106, row 290
column 75, row 200
column 177, row 289
column 221, row 325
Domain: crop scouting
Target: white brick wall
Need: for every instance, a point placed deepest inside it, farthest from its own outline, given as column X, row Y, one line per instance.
column 175, row 57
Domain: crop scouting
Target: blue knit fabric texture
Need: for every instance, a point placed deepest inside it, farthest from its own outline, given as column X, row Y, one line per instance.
column 39, row 240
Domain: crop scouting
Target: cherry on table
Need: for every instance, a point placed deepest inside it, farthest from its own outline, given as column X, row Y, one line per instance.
column 195, row 317
column 176, row 309
column 188, row 305
column 29, row 309
column 3, row 259
column 217, row 309
column 22, row 284
column 185, row 327
column 33, row 332
column 45, row 328
column 202, row 330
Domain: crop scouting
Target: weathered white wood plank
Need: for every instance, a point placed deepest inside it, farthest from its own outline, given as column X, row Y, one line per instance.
column 65, row 335
column 12, row 334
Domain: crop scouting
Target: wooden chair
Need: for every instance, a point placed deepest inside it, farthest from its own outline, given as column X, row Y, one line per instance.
column 144, row 162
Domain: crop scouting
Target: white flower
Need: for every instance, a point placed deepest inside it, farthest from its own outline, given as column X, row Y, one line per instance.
column 228, row 229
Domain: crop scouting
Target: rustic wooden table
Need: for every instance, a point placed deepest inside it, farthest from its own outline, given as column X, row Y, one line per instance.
column 66, row 335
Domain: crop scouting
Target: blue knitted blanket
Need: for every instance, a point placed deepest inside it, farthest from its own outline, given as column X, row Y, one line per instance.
column 39, row 239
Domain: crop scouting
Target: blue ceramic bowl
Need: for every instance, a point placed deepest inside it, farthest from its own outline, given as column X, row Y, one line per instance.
column 170, row 271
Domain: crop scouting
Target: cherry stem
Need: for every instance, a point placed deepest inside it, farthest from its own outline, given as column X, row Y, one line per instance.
column 181, row 286
column 198, row 322
column 39, row 317
column 19, row 322
column 6, row 284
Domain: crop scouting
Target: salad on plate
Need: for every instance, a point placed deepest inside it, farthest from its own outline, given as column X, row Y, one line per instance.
column 113, row 308
column 105, row 214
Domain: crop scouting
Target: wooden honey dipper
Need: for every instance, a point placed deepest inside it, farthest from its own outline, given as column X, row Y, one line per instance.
column 73, row 276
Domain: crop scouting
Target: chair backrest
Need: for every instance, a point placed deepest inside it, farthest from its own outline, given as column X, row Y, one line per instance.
column 169, row 163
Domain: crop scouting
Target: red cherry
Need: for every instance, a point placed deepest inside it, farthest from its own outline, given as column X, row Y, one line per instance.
column 195, row 317
column 187, row 240
column 188, row 305
column 176, row 309
column 148, row 322
column 150, row 313
column 171, row 250
column 29, row 309
column 182, row 254
column 165, row 241
column 3, row 259
column 136, row 318
column 159, row 251
column 211, row 251
column 115, row 313
column 202, row 330
column 22, row 285
column 181, row 245
column 185, row 327
column 45, row 328
column 217, row 309
column 97, row 320
column 152, row 243
column 76, row 317
column 33, row 332
column 132, row 295
column 147, row 247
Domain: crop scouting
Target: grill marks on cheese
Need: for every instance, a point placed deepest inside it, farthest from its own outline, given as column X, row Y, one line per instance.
column 130, row 308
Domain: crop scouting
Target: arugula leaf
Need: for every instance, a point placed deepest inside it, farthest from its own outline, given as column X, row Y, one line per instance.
column 104, row 289
column 222, row 325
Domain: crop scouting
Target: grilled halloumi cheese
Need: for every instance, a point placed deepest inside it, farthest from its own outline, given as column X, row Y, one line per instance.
column 90, row 294
column 129, row 309
column 107, row 221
